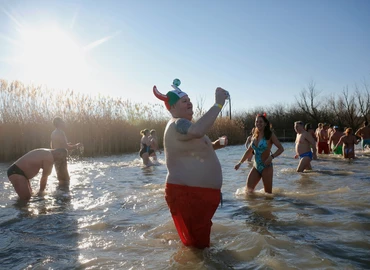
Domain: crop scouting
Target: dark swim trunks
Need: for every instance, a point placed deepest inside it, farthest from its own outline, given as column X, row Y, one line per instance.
column 307, row 154
column 14, row 169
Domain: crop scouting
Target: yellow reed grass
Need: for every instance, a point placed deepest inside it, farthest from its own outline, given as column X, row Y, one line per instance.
column 105, row 125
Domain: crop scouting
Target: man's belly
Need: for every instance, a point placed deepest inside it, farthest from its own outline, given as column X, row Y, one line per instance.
column 195, row 172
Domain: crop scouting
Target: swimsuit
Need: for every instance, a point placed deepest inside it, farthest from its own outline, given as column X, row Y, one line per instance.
column 365, row 142
column 338, row 150
column 348, row 150
column 307, row 154
column 258, row 150
column 145, row 149
column 14, row 169
column 192, row 209
column 323, row 146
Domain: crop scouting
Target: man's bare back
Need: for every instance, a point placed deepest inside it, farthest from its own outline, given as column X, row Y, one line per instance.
column 29, row 165
column 33, row 161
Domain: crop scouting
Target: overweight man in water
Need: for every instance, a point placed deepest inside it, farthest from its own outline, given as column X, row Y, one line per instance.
column 29, row 165
column 194, row 179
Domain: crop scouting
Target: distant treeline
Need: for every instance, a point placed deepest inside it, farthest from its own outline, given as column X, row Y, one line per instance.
column 107, row 125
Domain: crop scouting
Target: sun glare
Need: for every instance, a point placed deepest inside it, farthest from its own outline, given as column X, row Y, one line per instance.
column 50, row 56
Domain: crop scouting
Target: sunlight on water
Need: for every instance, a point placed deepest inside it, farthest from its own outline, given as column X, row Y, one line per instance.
column 113, row 216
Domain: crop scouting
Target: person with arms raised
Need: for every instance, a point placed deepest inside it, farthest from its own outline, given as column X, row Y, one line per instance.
column 194, row 178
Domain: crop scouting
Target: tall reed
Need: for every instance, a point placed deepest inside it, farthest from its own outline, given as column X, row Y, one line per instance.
column 105, row 125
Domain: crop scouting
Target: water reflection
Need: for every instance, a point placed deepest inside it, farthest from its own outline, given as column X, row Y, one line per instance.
column 44, row 235
column 124, row 222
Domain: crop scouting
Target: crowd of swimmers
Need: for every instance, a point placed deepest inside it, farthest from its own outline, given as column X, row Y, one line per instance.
column 194, row 178
column 338, row 140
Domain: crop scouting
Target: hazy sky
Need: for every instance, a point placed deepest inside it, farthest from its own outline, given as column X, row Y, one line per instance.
column 263, row 52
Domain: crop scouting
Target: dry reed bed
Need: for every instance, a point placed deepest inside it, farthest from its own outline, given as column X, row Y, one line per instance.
column 105, row 125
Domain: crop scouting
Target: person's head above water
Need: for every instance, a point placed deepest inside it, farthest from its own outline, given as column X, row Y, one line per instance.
column 171, row 97
column 145, row 132
column 348, row 131
column 58, row 122
column 176, row 101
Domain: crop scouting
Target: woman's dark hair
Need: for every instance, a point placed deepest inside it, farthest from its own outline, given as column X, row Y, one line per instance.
column 144, row 131
column 267, row 131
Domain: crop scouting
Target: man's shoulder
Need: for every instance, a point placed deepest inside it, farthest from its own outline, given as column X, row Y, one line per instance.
column 304, row 134
column 57, row 131
column 179, row 125
column 305, row 137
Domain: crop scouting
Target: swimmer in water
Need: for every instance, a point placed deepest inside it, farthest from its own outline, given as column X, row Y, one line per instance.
column 145, row 150
column 349, row 140
column 262, row 141
column 305, row 147
column 194, row 178
column 29, row 165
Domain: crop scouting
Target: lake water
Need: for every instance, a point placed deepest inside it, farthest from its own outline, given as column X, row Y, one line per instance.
column 114, row 216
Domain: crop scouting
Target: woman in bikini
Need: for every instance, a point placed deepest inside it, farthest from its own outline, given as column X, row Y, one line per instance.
column 262, row 141
column 145, row 150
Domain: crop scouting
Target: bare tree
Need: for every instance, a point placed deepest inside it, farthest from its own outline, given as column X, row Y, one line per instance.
column 363, row 100
column 336, row 106
column 345, row 109
column 351, row 110
column 199, row 109
column 308, row 101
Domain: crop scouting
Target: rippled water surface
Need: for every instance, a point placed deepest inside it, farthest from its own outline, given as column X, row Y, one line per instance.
column 114, row 216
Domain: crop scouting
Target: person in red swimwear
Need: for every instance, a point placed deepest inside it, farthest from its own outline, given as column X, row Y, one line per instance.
column 194, row 178
column 322, row 139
